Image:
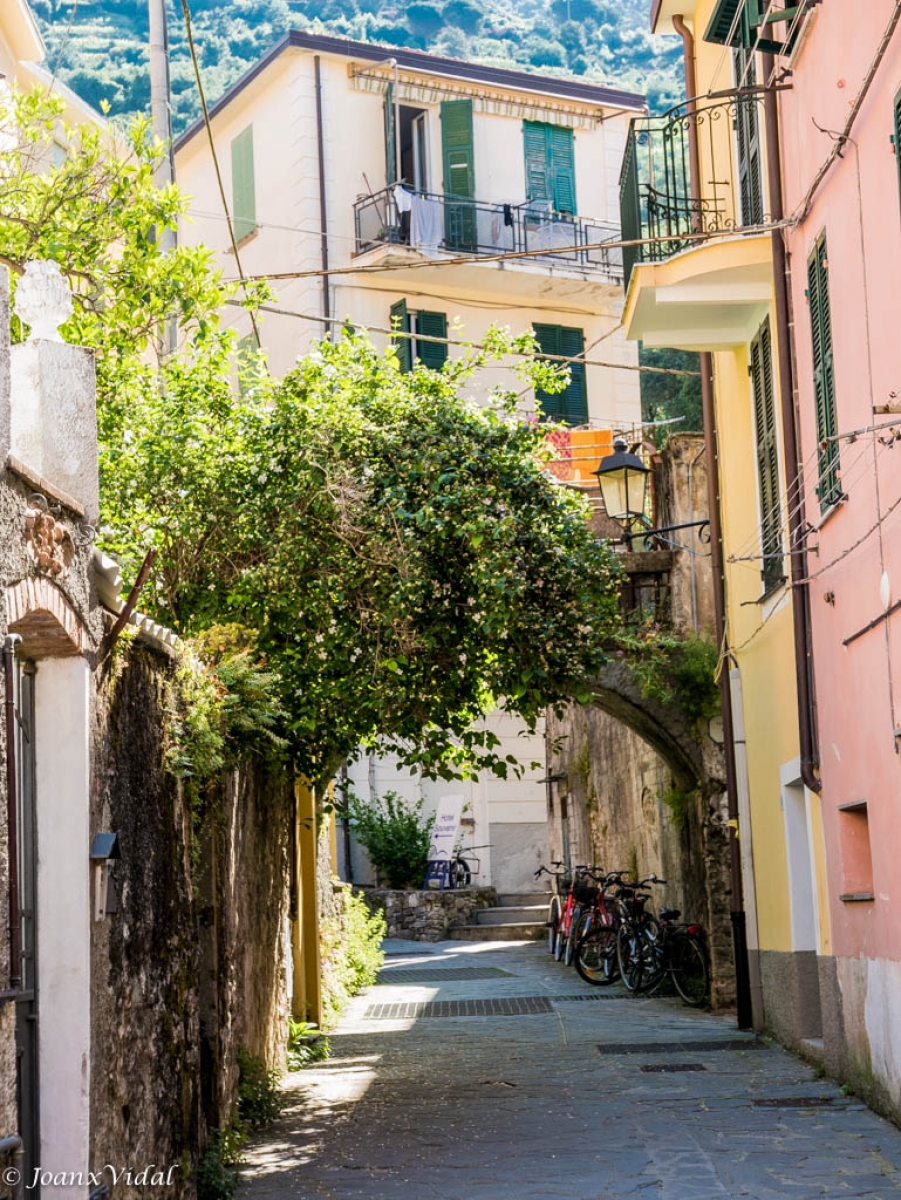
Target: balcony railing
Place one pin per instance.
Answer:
(658, 205)
(440, 223)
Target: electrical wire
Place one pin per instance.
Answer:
(209, 131)
(564, 359)
(508, 256)
(62, 47)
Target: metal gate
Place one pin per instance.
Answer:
(26, 951)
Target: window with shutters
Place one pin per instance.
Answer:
(550, 165)
(422, 326)
(571, 405)
(767, 457)
(828, 480)
(244, 204)
(747, 133)
(897, 134)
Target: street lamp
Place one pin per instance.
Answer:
(624, 484)
(624, 487)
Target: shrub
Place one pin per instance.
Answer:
(306, 1044)
(351, 954)
(259, 1099)
(396, 837)
(215, 1179)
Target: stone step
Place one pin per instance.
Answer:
(520, 914)
(523, 899)
(512, 932)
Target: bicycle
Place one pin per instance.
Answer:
(650, 950)
(555, 907)
(460, 869)
(595, 955)
(636, 934)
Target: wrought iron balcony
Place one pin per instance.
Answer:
(437, 223)
(658, 204)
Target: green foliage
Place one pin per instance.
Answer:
(671, 667)
(398, 551)
(259, 1098)
(665, 397)
(396, 837)
(604, 41)
(679, 801)
(215, 1179)
(351, 954)
(227, 707)
(306, 1044)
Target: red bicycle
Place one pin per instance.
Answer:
(574, 894)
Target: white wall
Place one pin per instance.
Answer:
(64, 912)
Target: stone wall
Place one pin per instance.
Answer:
(192, 963)
(426, 916)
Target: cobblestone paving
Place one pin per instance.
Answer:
(559, 1105)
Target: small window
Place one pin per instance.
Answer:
(244, 204)
(828, 481)
(571, 405)
(423, 326)
(857, 857)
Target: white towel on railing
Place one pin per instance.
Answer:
(426, 223)
(402, 198)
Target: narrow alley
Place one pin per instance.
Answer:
(486, 1071)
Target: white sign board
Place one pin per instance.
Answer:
(447, 824)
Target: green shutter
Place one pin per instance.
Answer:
(390, 137)
(458, 154)
(400, 320)
(563, 170)
(747, 128)
(829, 487)
(244, 204)
(571, 405)
(767, 456)
(431, 354)
(550, 164)
(538, 183)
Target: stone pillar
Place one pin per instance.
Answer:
(53, 424)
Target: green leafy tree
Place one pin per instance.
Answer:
(396, 837)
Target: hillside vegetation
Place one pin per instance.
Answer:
(101, 52)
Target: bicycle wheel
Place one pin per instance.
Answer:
(559, 944)
(595, 957)
(459, 874)
(688, 967)
(654, 965)
(553, 920)
(630, 955)
(569, 948)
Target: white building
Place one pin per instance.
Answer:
(508, 192)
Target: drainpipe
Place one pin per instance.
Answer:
(739, 924)
(794, 477)
(323, 211)
(12, 813)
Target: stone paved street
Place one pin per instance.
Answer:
(598, 1097)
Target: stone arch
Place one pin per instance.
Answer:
(694, 761)
(42, 616)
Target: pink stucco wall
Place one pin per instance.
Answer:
(858, 686)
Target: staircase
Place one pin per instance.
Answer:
(517, 918)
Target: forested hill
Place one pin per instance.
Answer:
(101, 50)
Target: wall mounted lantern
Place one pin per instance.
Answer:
(104, 854)
(624, 484)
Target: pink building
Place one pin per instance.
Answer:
(840, 151)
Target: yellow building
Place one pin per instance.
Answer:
(696, 195)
